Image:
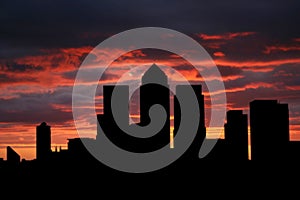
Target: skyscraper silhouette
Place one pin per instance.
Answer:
(121, 93)
(236, 134)
(180, 91)
(107, 121)
(155, 90)
(43, 141)
(269, 123)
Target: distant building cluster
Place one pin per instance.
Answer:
(269, 128)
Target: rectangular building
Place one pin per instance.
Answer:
(236, 135)
(269, 124)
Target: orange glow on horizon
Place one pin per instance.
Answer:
(27, 151)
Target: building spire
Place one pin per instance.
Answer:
(155, 75)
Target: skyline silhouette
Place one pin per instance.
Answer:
(254, 44)
(266, 117)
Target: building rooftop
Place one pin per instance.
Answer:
(154, 75)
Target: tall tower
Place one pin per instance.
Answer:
(107, 121)
(201, 133)
(236, 135)
(269, 123)
(155, 90)
(43, 141)
(121, 104)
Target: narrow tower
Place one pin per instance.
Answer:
(43, 141)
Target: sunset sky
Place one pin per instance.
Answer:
(255, 44)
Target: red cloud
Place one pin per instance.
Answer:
(297, 39)
(270, 49)
(257, 66)
(40, 73)
(295, 132)
(219, 54)
(226, 36)
(251, 86)
(56, 59)
(210, 37)
(295, 87)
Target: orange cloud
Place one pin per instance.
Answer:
(219, 54)
(56, 59)
(250, 86)
(226, 36)
(295, 132)
(213, 44)
(210, 37)
(132, 54)
(40, 73)
(270, 49)
(257, 66)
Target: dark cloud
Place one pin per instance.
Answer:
(276, 84)
(289, 75)
(5, 78)
(33, 108)
(64, 23)
(228, 71)
(14, 67)
(184, 67)
(70, 75)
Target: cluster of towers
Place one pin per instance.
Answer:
(269, 126)
(153, 90)
(269, 123)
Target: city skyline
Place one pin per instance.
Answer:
(232, 146)
(210, 133)
(255, 46)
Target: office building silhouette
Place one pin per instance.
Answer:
(181, 90)
(13, 158)
(155, 90)
(294, 151)
(121, 93)
(43, 141)
(269, 124)
(236, 135)
(77, 150)
(107, 122)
